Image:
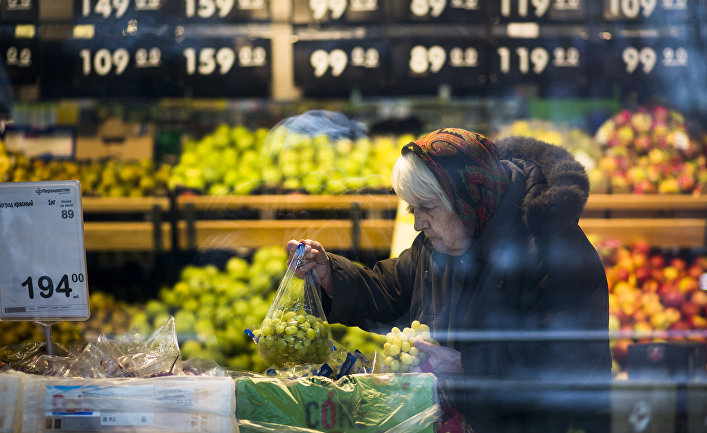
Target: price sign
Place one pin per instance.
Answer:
(422, 66)
(333, 68)
(222, 67)
(225, 10)
(670, 12)
(107, 67)
(549, 64)
(43, 260)
(119, 12)
(339, 11)
(19, 11)
(556, 11)
(19, 56)
(461, 11)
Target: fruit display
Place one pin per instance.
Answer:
(401, 355)
(578, 142)
(237, 160)
(652, 296)
(292, 338)
(648, 151)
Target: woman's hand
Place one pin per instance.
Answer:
(442, 360)
(314, 259)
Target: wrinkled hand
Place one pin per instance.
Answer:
(314, 259)
(442, 360)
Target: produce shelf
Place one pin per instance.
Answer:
(124, 236)
(123, 204)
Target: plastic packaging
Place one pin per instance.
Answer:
(391, 403)
(181, 404)
(10, 400)
(295, 331)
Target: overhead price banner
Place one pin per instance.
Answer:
(43, 259)
(335, 68)
(19, 11)
(19, 54)
(664, 12)
(555, 66)
(223, 67)
(108, 67)
(225, 11)
(547, 11)
(460, 11)
(338, 11)
(423, 66)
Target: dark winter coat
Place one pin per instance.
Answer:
(528, 302)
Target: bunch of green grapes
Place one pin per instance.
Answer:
(291, 338)
(401, 356)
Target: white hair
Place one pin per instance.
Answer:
(415, 184)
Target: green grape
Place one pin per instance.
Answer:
(292, 338)
(401, 355)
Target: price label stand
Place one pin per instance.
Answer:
(43, 258)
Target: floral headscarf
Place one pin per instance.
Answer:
(467, 167)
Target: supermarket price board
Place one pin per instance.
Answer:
(19, 11)
(19, 53)
(43, 259)
(333, 67)
(339, 11)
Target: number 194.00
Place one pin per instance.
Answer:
(46, 285)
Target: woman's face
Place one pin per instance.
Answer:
(443, 228)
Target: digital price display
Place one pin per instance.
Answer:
(547, 11)
(664, 12)
(555, 66)
(19, 11)
(422, 66)
(227, 11)
(131, 66)
(338, 11)
(334, 68)
(19, 55)
(224, 67)
(461, 11)
(43, 259)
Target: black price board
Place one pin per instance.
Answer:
(420, 67)
(338, 11)
(660, 66)
(223, 67)
(334, 68)
(657, 12)
(19, 56)
(556, 66)
(224, 11)
(431, 11)
(19, 11)
(107, 67)
(546, 11)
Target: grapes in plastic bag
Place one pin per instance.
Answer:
(401, 355)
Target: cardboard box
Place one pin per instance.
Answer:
(180, 404)
(677, 360)
(362, 403)
(118, 139)
(10, 401)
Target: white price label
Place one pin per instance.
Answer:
(43, 259)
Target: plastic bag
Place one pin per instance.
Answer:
(295, 331)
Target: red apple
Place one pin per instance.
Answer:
(641, 246)
(657, 261)
(678, 263)
(689, 309)
(660, 114)
(699, 298)
(642, 274)
(672, 298)
(623, 117)
(695, 271)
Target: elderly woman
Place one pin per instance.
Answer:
(499, 250)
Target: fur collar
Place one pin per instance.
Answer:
(557, 186)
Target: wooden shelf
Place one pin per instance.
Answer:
(123, 204)
(123, 236)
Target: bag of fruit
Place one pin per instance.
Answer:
(295, 330)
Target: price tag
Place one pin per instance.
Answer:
(19, 55)
(333, 68)
(555, 11)
(339, 11)
(19, 11)
(43, 260)
(108, 67)
(461, 11)
(227, 11)
(672, 12)
(422, 66)
(222, 67)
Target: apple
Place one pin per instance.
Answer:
(673, 299)
(687, 284)
(671, 273)
(641, 122)
(678, 263)
(690, 309)
(620, 351)
(657, 261)
(699, 298)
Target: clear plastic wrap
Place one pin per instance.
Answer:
(390, 403)
(180, 404)
(10, 400)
